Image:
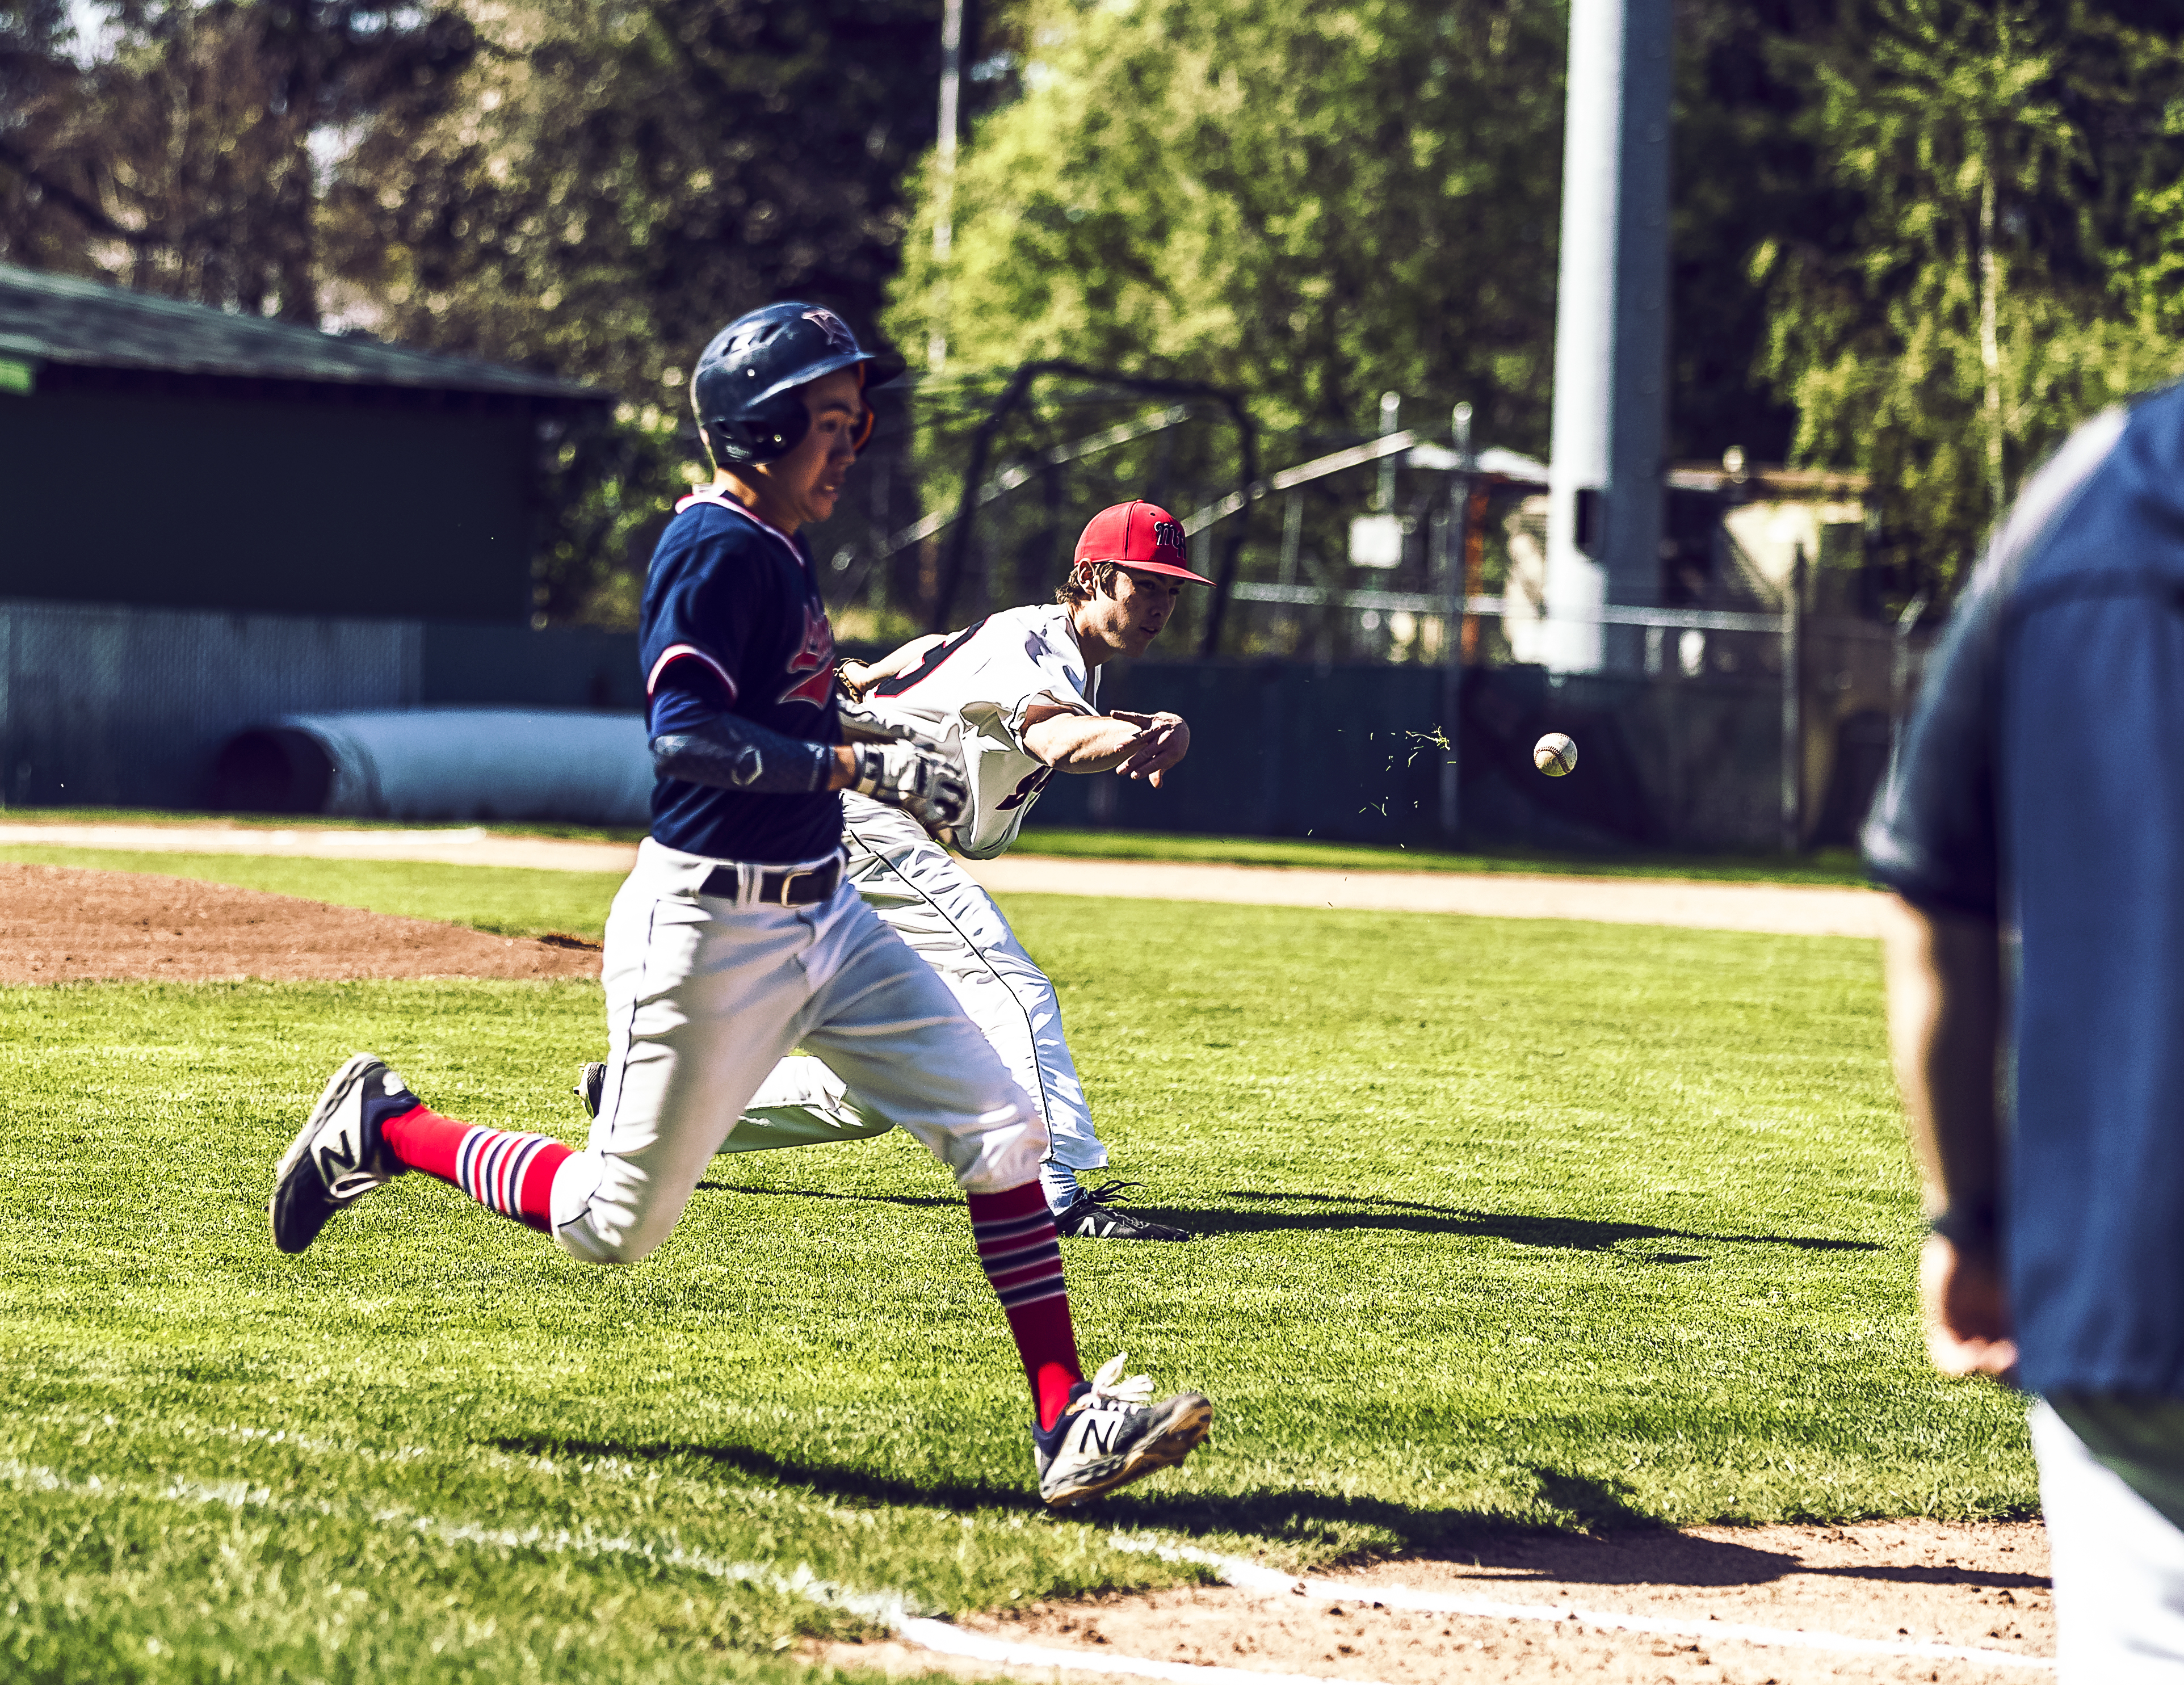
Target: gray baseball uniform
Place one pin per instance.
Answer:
(983, 685)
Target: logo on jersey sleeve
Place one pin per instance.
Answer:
(815, 656)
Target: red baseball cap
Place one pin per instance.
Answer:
(1141, 536)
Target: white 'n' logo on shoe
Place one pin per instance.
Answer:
(1099, 1436)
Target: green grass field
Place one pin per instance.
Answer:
(1822, 866)
(1516, 1223)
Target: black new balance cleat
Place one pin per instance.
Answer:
(339, 1156)
(1096, 1215)
(1112, 1434)
(590, 1081)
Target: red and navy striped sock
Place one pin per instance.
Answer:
(1021, 1257)
(503, 1171)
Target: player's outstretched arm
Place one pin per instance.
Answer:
(1136, 745)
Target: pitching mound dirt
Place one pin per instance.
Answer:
(59, 924)
(1980, 1586)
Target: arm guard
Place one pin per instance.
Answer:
(729, 752)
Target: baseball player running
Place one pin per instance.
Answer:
(736, 936)
(1019, 693)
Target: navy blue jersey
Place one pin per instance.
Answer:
(733, 623)
(2040, 786)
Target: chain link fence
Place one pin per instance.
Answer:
(1371, 663)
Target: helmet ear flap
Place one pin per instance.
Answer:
(767, 433)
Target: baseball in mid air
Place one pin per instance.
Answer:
(1555, 753)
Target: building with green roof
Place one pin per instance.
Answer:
(163, 454)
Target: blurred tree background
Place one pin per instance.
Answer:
(1917, 238)
(2003, 179)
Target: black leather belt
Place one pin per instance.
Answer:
(796, 887)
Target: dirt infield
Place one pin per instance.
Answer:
(1782, 909)
(60, 924)
(1971, 1585)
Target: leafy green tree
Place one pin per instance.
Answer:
(44, 207)
(182, 161)
(1745, 171)
(2005, 167)
(610, 183)
(1311, 203)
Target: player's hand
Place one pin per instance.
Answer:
(854, 677)
(1163, 741)
(1966, 1309)
(931, 788)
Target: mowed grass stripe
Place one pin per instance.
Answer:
(1544, 1224)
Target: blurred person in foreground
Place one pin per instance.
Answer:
(2033, 831)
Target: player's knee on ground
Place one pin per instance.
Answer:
(600, 1216)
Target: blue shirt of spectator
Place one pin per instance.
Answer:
(2041, 785)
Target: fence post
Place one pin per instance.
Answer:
(1454, 626)
(1452, 715)
(1793, 730)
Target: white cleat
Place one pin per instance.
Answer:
(1112, 1434)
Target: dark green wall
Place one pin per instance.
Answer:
(287, 505)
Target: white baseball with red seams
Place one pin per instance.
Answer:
(1555, 755)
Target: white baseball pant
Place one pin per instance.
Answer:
(706, 995)
(2111, 1499)
(926, 897)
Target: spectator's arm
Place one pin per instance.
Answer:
(1944, 1029)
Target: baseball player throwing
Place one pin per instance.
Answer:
(737, 936)
(1019, 691)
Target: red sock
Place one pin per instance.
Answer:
(1021, 1256)
(503, 1171)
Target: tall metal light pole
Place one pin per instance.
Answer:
(1611, 332)
(944, 177)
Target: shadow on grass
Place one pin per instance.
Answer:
(1350, 1211)
(1609, 1542)
(1271, 1514)
(1576, 1234)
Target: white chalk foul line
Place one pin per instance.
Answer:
(952, 1640)
(896, 1612)
(886, 1609)
(1249, 1576)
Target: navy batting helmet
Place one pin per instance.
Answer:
(744, 389)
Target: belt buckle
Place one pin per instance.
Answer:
(788, 885)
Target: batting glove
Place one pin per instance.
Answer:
(929, 787)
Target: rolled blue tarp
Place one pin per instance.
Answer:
(443, 763)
